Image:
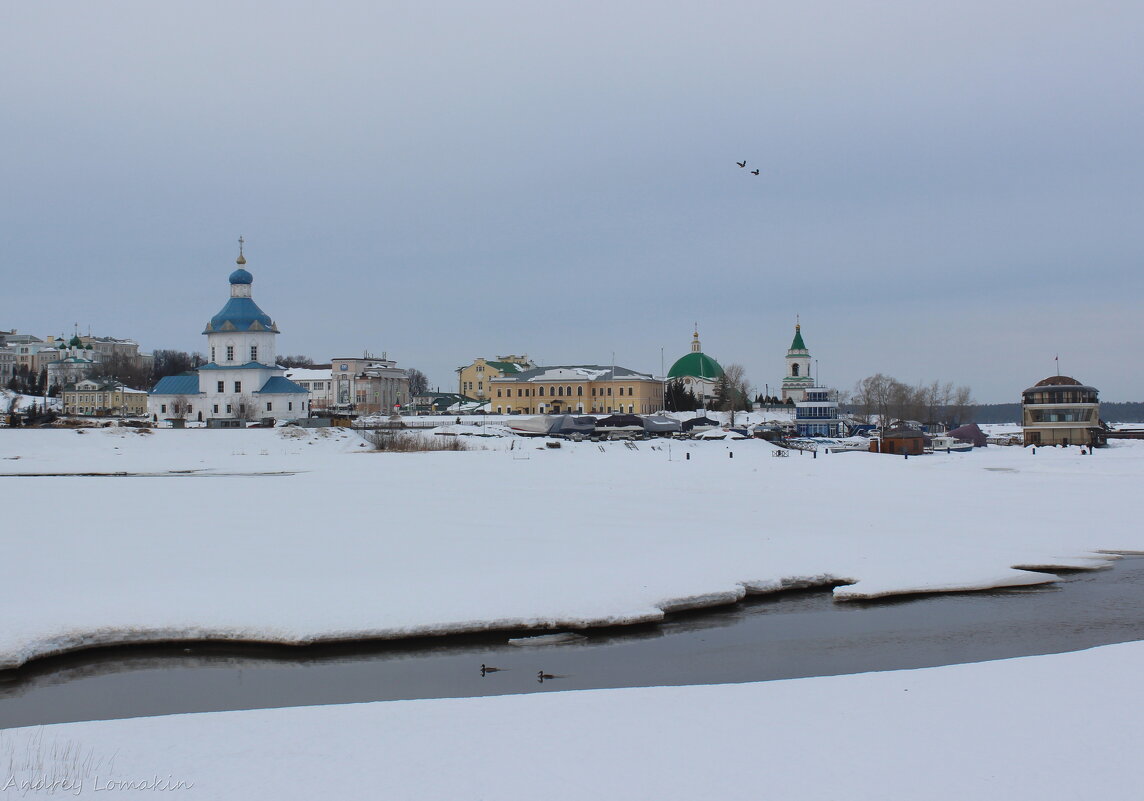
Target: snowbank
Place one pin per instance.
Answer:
(302, 536)
(1050, 727)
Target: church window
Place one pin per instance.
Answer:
(212, 353)
(794, 369)
(163, 408)
(580, 392)
(254, 353)
(220, 389)
(216, 408)
(230, 353)
(290, 406)
(542, 392)
(268, 406)
(238, 386)
(560, 391)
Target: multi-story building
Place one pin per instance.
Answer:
(473, 379)
(7, 364)
(89, 397)
(1060, 410)
(817, 414)
(318, 381)
(368, 385)
(580, 389)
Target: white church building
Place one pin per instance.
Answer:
(242, 381)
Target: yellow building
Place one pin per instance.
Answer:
(576, 389)
(103, 398)
(473, 379)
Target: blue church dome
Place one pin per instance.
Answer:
(241, 276)
(241, 314)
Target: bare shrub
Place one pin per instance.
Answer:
(411, 442)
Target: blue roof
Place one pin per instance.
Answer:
(177, 385)
(278, 385)
(241, 314)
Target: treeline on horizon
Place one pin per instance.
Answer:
(1011, 412)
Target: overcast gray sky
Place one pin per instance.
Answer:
(947, 190)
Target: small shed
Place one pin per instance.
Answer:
(908, 441)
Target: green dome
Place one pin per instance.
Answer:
(696, 365)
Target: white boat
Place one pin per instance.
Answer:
(948, 444)
(531, 426)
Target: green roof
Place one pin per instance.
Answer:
(696, 365)
(798, 343)
(506, 367)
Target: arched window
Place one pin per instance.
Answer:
(570, 392)
(560, 391)
(542, 392)
(580, 392)
(794, 369)
(552, 391)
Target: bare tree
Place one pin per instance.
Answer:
(245, 408)
(296, 361)
(890, 400)
(418, 382)
(960, 407)
(180, 406)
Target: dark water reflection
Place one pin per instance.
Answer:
(788, 636)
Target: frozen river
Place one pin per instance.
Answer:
(787, 636)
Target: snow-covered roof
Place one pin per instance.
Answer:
(308, 374)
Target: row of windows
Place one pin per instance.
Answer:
(230, 353)
(820, 413)
(540, 409)
(1060, 396)
(560, 392)
(1081, 415)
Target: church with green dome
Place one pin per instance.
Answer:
(697, 372)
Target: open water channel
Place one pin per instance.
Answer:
(775, 637)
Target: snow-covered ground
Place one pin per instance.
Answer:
(1046, 728)
(297, 536)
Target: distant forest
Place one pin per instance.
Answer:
(1011, 413)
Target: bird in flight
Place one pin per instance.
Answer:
(754, 172)
(742, 163)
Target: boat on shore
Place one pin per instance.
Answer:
(948, 444)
